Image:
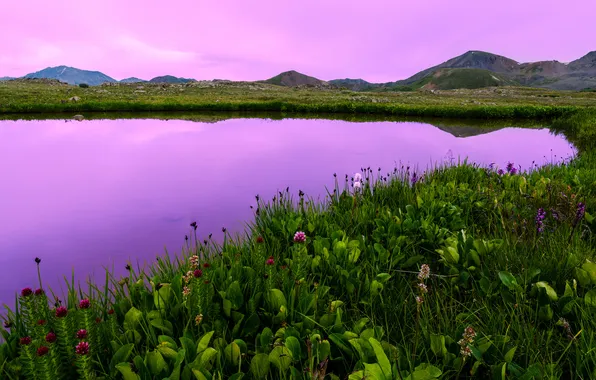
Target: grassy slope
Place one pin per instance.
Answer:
(323, 305)
(19, 97)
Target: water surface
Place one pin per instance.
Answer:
(101, 192)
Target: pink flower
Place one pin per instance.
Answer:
(39, 292)
(424, 272)
(81, 334)
(41, 322)
(42, 350)
(61, 312)
(260, 239)
(197, 273)
(26, 292)
(299, 237)
(270, 261)
(84, 304)
(50, 337)
(82, 348)
(25, 341)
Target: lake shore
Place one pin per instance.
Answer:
(34, 96)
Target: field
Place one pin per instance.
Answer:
(459, 272)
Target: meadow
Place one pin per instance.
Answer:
(461, 271)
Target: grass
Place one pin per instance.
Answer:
(458, 272)
(24, 96)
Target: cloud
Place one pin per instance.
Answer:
(145, 50)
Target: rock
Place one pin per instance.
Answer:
(78, 117)
(74, 99)
(140, 91)
(140, 87)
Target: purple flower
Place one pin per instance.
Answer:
(414, 179)
(82, 348)
(61, 312)
(579, 214)
(81, 334)
(299, 237)
(510, 167)
(50, 337)
(500, 172)
(42, 350)
(540, 216)
(84, 304)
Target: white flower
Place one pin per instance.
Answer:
(357, 177)
(357, 185)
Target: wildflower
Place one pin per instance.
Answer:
(260, 239)
(39, 292)
(414, 178)
(82, 348)
(42, 350)
(565, 324)
(270, 261)
(37, 260)
(555, 214)
(299, 237)
(357, 185)
(185, 291)
(540, 216)
(206, 265)
(50, 337)
(61, 312)
(579, 214)
(419, 300)
(467, 338)
(357, 177)
(81, 334)
(84, 304)
(194, 261)
(198, 319)
(500, 172)
(111, 311)
(197, 273)
(25, 341)
(97, 320)
(7, 324)
(465, 351)
(26, 292)
(207, 282)
(127, 267)
(510, 167)
(41, 322)
(423, 288)
(424, 272)
(188, 277)
(194, 225)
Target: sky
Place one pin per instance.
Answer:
(376, 40)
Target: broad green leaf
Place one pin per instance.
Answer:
(155, 362)
(550, 292)
(232, 354)
(132, 318)
(293, 345)
(425, 372)
(590, 267)
(189, 348)
(127, 372)
(207, 357)
(163, 296)
(277, 300)
(381, 357)
(234, 294)
(121, 355)
(281, 358)
(508, 280)
(259, 366)
(204, 342)
(510, 354)
(374, 372)
(590, 298)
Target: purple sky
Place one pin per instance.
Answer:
(377, 40)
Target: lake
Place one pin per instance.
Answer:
(97, 193)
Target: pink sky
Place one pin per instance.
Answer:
(377, 40)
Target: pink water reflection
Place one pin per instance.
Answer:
(98, 193)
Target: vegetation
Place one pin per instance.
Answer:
(38, 96)
(461, 271)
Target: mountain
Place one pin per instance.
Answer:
(293, 78)
(170, 79)
(353, 84)
(6, 78)
(72, 75)
(132, 80)
(450, 79)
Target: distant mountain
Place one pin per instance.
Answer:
(132, 80)
(72, 75)
(354, 84)
(293, 78)
(171, 79)
(6, 78)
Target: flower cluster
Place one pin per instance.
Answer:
(467, 339)
(511, 169)
(565, 324)
(579, 214)
(299, 237)
(540, 216)
(82, 348)
(423, 275)
(357, 182)
(270, 261)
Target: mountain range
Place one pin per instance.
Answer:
(473, 69)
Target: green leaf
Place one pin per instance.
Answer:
(281, 358)
(590, 298)
(550, 292)
(207, 357)
(163, 296)
(155, 362)
(381, 357)
(374, 372)
(437, 345)
(189, 348)
(121, 355)
(259, 366)
(204, 342)
(127, 372)
(132, 318)
(200, 375)
(545, 313)
(234, 294)
(277, 300)
(582, 277)
(232, 354)
(341, 342)
(293, 345)
(510, 354)
(383, 277)
(425, 372)
(509, 280)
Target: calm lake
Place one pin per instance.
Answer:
(97, 193)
